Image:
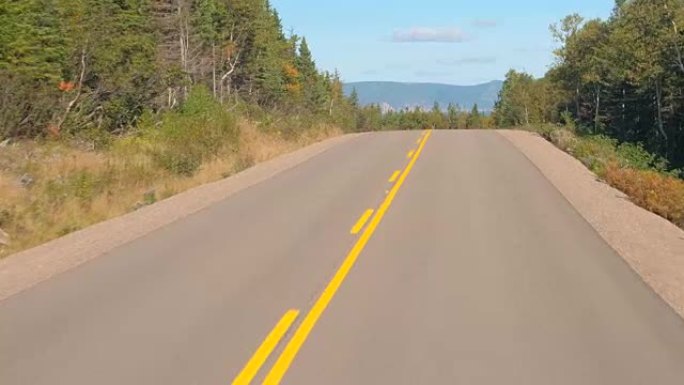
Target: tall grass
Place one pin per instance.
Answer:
(49, 189)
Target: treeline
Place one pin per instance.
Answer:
(622, 77)
(68, 66)
(373, 117)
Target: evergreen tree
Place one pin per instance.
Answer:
(474, 118)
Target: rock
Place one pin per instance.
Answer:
(26, 180)
(4, 238)
(5, 143)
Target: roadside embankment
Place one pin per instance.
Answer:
(650, 244)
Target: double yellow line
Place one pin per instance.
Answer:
(292, 348)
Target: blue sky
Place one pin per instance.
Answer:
(445, 41)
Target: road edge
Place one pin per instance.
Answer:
(651, 245)
(25, 269)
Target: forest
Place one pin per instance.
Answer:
(621, 78)
(70, 66)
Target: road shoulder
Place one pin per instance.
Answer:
(651, 245)
(25, 269)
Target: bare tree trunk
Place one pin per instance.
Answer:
(213, 67)
(183, 40)
(659, 102)
(79, 91)
(225, 78)
(597, 113)
(677, 48)
(624, 106)
(172, 101)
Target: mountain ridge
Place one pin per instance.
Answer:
(400, 95)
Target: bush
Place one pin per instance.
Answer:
(183, 140)
(635, 156)
(628, 167)
(595, 151)
(563, 139)
(654, 191)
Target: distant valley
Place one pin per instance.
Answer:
(398, 96)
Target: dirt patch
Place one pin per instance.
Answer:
(651, 245)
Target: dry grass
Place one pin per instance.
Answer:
(65, 189)
(627, 167)
(661, 194)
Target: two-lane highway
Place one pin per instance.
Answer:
(393, 258)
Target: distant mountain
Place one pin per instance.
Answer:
(424, 95)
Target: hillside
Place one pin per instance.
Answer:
(401, 95)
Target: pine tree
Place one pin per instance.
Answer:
(354, 98)
(474, 118)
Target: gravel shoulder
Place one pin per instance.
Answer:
(25, 269)
(651, 245)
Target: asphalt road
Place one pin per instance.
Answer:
(472, 269)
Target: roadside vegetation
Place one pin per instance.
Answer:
(643, 176)
(107, 106)
(50, 188)
(614, 100)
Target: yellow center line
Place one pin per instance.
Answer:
(252, 368)
(410, 154)
(290, 352)
(361, 222)
(395, 176)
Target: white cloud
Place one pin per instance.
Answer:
(429, 35)
(485, 23)
(467, 61)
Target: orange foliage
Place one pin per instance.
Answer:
(290, 71)
(661, 194)
(294, 88)
(229, 49)
(65, 86)
(53, 130)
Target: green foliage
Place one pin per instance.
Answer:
(474, 118)
(82, 184)
(524, 100)
(599, 151)
(595, 151)
(372, 118)
(183, 140)
(94, 66)
(635, 156)
(31, 43)
(621, 77)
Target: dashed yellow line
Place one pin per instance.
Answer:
(410, 154)
(261, 355)
(290, 352)
(395, 176)
(362, 222)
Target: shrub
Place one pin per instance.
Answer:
(635, 156)
(654, 191)
(563, 139)
(595, 151)
(184, 139)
